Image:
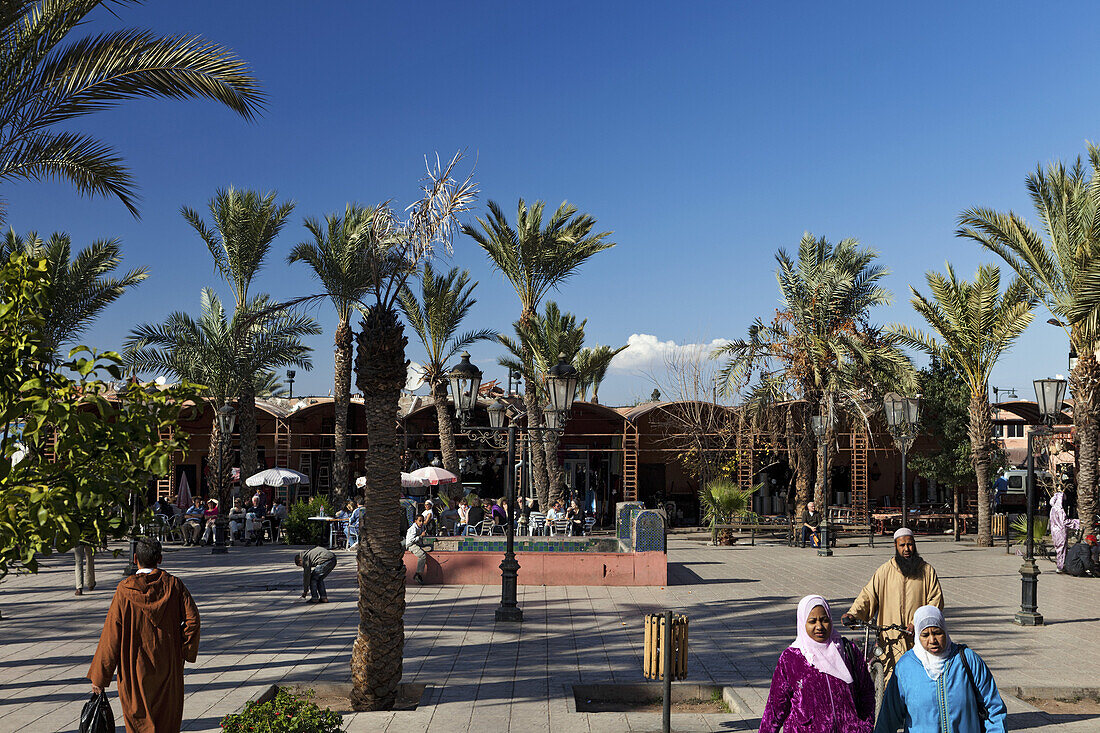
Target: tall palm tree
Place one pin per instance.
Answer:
(220, 352)
(48, 78)
(592, 365)
(976, 324)
(337, 257)
(537, 347)
(397, 251)
(1063, 272)
(80, 287)
(820, 346)
(536, 259)
(445, 301)
(245, 225)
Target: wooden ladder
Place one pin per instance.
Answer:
(630, 462)
(282, 443)
(860, 509)
(745, 465)
(164, 483)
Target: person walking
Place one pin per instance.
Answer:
(414, 540)
(939, 685)
(821, 683)
(316, 564)
(151, 629)
(84, 568)
(1059, 529)
(897, 589)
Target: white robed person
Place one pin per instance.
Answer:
(940, 686)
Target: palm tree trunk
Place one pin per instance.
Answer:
(981, 436)
(554, 474)
(341, 398)
(246, 418)
(446, 436)
(804, 459)
(537, 452)
(223, 483)
(376, 656)
(1084, 383)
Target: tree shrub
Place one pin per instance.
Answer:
(285, 713)
(297, 527)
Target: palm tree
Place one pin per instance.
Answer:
(337, 257)
(1062, 272)
(396, 252)
(976, 325)
(722, 501)
(537, 347)
(592, 365)
(49, 78)
(536, 259)
(820, 347)
(445, 301)
(221, 352)
(80, 287)
(245, 224)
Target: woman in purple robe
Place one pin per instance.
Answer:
(821, 684)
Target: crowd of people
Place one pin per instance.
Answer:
(248, 519)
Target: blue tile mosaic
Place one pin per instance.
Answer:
(649, 531)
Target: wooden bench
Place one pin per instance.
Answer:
(756, 527)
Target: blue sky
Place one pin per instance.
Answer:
(705, 135)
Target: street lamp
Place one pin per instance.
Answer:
(821, 425)
(902, 415)
(290, 380)
(464, 379)
(1048, 396)
(227, 418)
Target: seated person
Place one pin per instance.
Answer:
(1080, 559)
(475, 517)
(463, 516)
(277, 515)
(356, 518)
(811, 518)
(236, 521)
(345, 513)
(163, 506)
(575, 515)
(499, 513)
(254, 522)
(193, 522)
(429, 517)
(210, 519)
(449, 520)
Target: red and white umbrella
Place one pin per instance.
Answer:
(408, 481)
(435, 476)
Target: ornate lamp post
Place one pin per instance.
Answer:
(464, 379)
(227, 418)
(902, 415)
(1048, 395)
(821, 425)
(290, 380)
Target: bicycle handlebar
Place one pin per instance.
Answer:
(857, 624)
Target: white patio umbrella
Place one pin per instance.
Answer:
(435, 476)
(277, 477)
(408, 481)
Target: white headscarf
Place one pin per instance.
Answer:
(925, 617)
(822, 656)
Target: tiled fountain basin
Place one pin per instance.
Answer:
(542, 561)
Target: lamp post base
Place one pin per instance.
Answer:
(509, 605)
(823, 549)
(509, 614)
(220, 547)
(1029, 615)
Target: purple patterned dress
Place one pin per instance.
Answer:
(806, 700)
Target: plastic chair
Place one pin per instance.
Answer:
(589, 523)
(559, 526)
(536, 523)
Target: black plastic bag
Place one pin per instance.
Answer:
(97, 716)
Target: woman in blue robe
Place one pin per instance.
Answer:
(931, 690)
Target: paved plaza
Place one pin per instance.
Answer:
(484, 677)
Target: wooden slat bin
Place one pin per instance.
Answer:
(653, 661)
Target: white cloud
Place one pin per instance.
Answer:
(645, 352)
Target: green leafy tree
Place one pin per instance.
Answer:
(592, 365)
(821, 346)
(445, 301)
(537, 258)
(534, 351)
(1062, 270)
(81, 287)
(50, 78)
(976, 324)
(71, 454)
(722, 501)
(245, 223)
(338, 257)
(396, 253)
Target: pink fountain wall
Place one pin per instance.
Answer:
(544, 568)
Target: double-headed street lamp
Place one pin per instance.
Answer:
(821, 425)
(227, 418)
(902, 416)
(1048, 396)
(561, 386)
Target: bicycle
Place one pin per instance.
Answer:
(872, 654)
